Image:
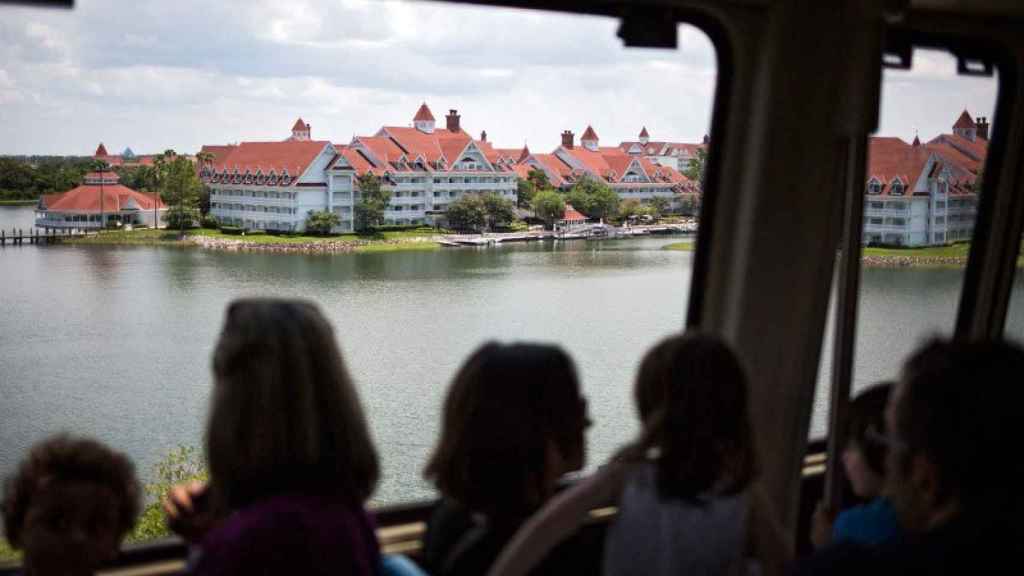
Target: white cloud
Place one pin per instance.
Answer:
(155, 75)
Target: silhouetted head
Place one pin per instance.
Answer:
(69, 505)
(513, 423)
(953, 423)
(865, 451)
(691, 393)
(285, 415)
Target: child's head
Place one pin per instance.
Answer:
(691, 393)
(864, 452)
(69, 505)
(513, 422)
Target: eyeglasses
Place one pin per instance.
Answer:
(884, 439)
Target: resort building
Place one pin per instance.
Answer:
(674, 154)
(99, 201)
(923, 194)
(270, 185)
(629, 176)
(274, 185)
(126, 158)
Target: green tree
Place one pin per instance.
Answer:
(501, 212)
(525, 190)
(689, 204)
(628, 208)
(180, 188)
(467, 213)
(549, 206)
(978, 182)
(539, 179)
(659, 205)
(182, 465)
(204, 160)
(373, 200)
(695, 167)
(321, 221)
(593, 198)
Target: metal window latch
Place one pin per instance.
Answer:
(649, 27)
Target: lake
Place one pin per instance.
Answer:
(115, 342)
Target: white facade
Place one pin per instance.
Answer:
(276, 201)
(925, 215)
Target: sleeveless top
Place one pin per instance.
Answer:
(659, 537)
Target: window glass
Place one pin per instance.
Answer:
(933, 134)
(115, 342)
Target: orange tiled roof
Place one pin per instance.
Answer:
(86, 199)
(293, 156)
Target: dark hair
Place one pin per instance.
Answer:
(505, 403)
(285, 414)
(64, 459)
(691, 392)
(959, 406)
(867, 412)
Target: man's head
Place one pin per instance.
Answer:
(69, 505)
(949, 420)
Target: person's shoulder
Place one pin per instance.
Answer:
(871, 523)
(844, 558)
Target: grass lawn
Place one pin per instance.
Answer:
(953, 251)
(8, 554)
(150, 236)
(679, 246)
(399, 247)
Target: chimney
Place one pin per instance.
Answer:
(982, 128)
(483, 136)
(309, 131)
(567, 139)
(453, 120)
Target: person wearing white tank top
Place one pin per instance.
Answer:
(685, 491)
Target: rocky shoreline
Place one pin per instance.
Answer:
(314, 247)
(871, 261)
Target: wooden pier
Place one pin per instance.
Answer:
(19, 237)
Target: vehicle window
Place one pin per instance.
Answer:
(929, 153)
(281, 111)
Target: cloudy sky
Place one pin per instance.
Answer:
(154, 75)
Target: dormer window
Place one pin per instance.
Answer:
(897, 188)
(874, 187)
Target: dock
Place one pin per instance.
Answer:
(19, 237)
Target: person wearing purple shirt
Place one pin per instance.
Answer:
(290, 457)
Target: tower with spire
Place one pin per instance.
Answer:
(424, 120)
(589, 139)
(965, 127)
(301, 131)
(644, 136)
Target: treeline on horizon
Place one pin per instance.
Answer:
(29, 177)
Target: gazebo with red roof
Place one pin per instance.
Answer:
(571, 219)
(100, 200)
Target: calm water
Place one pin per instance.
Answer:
(115, 342)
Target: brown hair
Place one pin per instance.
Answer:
(67, 459)
(959, 408)
(691, 393)
(867, 414)
(504, 405)
(285, 415)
